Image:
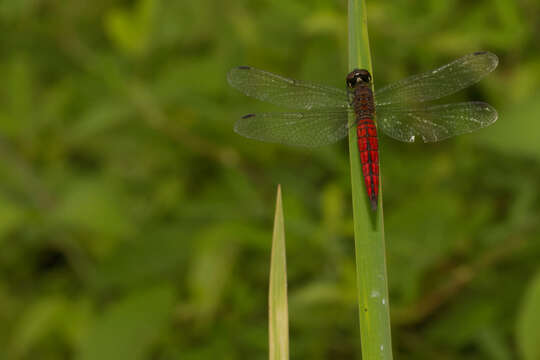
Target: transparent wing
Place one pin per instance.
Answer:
(278, 90)
(440, 82)
(434, 123)
(310, 128)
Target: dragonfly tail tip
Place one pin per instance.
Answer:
(374, 204)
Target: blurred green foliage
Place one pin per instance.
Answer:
(134, 224)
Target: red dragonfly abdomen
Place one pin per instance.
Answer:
(368, 144)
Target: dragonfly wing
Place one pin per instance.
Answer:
(440, 82)
(309, 128)
(434, 123)
(279, 90)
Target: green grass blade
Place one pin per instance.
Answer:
(278, 313)
(371, 275)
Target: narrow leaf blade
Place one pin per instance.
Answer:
(371, 275)
(277, 298)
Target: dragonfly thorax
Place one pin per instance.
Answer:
(358, 76)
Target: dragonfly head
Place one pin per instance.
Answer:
(358, 76)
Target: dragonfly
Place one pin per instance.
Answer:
(403, 110)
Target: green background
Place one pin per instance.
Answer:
(135, 224)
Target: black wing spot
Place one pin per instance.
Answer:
(248, 116)
(480, 53)
(244, 67)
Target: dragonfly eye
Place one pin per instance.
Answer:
(364, 76)
(357, 77)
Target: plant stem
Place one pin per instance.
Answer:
(371, 275)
